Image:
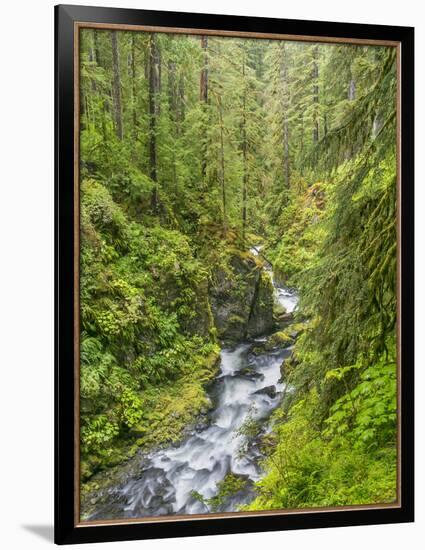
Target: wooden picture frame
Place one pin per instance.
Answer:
(69, 20)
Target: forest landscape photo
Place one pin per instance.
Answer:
(238, 274)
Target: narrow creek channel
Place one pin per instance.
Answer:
(180, 478)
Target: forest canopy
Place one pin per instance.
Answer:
(193, 150)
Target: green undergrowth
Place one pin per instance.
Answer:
(148, 344)
(301, 231)
(160, 418)
(349, 459)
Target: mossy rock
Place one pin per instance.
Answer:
(284, 319)
(258, 350)
(278, 310)
(261, 315)
(296, 329)
(287, 367)
(241, 296)
(250, 372)
(282, 339)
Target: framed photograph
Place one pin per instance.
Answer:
(234, 274)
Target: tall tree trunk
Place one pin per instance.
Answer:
(203, 96)
(315, 77)
(244, 144)
(159, 76)
(352, 90)
(103, 101)
(173, 114)
(351, 95)
(377, 122)
(133, 87)
(172, 91)
(285, 109)
(116, 86)
(286, 152)
(203, 88)
(301, 153)
(93, 59)
(153, 113)
(146, 61)
(181, 103)
(84, 117)
(376, 126)
(223, 184)
(96, 48)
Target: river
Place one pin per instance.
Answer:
(180, 479)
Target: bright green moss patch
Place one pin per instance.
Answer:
(281, 339)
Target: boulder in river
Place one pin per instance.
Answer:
(261, 314)
(282, 339)
(251, 373)
(285, 318)
(241, 297)
(270, 391)
(279, 340)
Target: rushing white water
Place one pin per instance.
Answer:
(287, 298)
(175, 480)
